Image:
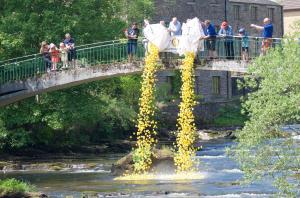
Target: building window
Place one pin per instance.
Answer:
(216, 85)
(254, 13)
(170, 80)
(236, 11)
(271, 13)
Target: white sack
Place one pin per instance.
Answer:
(189, 41)
(158, 35)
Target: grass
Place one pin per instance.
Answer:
(14, 188)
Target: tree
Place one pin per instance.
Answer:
(263, 150)
(79, 115)
(24, 24)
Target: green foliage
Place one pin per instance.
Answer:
(13, 187)
(81, 115)
(230, 116)
(136, 10)
(24, 24)
(274, 104)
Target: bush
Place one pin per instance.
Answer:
(13, 187)
(230, 116)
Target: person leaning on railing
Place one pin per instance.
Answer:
(46, 55)
(211, 36)
(226, 33)
(267, 34)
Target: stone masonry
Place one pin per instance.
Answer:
(240, 13)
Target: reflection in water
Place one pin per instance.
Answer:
(220, 179)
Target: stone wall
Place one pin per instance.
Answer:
(204, 84)
(290, 17)
(204, 113)
(215, 11)
(262, 12)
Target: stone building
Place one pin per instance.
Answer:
(239, 13)
(291, 13)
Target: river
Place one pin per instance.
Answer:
(221, 175)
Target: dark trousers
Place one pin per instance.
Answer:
(229, 51)
(47, 60)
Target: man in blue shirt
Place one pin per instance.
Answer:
(211, 36)
(267, 34)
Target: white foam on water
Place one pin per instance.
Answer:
(90, 171)
(235, 170)
(243, 195)
(296, 137)
(211, 156)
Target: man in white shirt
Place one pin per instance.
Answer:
(175, 27)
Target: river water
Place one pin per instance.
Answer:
(221, 175)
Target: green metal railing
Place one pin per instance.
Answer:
(109, 52)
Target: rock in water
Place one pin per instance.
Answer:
(162, 161)
(214, 134)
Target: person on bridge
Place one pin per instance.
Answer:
(46, 55)
(70, 44)
(245, 44)
(132, 35)
(175, 27)
(267, 34)
(226, 32)
(211, 36)
(54, 56)
(63, 52)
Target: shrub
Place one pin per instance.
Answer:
(13, 187)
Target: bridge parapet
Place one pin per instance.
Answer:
(111, 52)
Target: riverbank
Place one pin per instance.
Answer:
(12, 188)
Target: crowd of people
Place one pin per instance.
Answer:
(211, 35)
(64, 54)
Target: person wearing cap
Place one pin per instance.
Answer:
(226, 32)
(244, 44)
(267, 34)
(210, 37)
(132, 35)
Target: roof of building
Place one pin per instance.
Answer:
(264, 2)
(291, 4)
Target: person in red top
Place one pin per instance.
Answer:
(54, 56)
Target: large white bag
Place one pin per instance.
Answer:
(158, 35)
(189, 41)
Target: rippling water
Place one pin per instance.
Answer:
(220, 179)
